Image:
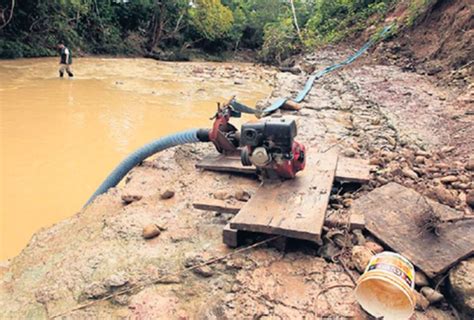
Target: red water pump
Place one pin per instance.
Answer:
(269, 145)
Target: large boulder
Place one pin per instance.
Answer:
(461, 287)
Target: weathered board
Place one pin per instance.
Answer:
(220, 162)
(397, 215)
(293, 208)
(230, 236)
(353, 170)
(356, 221)
(218, 205)
(348, 169)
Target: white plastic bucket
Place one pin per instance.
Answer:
(386, 287)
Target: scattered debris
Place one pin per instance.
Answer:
(470, 163)
(361, 256)
(432, 295)
(168, 194)
(374, 247)
(470, 198)
(151, 231)
(129, 198)
(242, 195)
(222, 195)
(421, 302)
(421, 280)
(461, 287)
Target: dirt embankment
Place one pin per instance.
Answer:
(376, 112)
(434, 39)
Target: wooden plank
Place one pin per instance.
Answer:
(293, 208)
(356, 221)
(396, 216)
(230, 236)
(348, 169)
(220, 162)
(353, 170)
(218, 205)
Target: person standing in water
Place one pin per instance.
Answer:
(66, 61)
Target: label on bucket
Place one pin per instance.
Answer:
(394, 264)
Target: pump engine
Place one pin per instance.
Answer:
(269, 145)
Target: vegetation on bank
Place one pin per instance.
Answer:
(172, 29)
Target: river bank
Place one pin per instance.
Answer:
(367, 111)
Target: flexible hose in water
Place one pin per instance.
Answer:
(183, 137)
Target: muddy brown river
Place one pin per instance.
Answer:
(59, 138)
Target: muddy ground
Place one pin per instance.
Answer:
(415, 131)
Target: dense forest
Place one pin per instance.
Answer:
(174, 29)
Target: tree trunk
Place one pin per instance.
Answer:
(10, 16)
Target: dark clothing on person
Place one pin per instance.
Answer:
(65, 62)
(66, 56)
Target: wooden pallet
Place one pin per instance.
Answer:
(294, 208)
(347, 169)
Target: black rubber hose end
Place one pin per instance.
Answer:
(203, 135)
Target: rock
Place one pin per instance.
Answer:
(449, 179)
(447, 149)
(151, 231)
(382, 180)
(421, 302)
(470, 198)
(242, 195)
(375, 161)
(95, 290)
(443, 195)
(420, 160)
(422, 153)
(168, 194)
(462, 198)
(349, 152)
(421, 280)
(470, 164)
(432, 295)
(222, 195)
(374, 247)
(461, 287)
(129, 198)
(407, 172)
(359, 237)
(347, 202)
(204, 271)
(328, 250)
(116, 280)
(361, 256)
(121, 299)
(460, 185)
(238, 82)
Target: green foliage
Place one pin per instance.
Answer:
(211, 19)
(416, 8)
(278, 41)
(212, 26)
(334, 20)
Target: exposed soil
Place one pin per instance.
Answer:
(378, 112)
(439, 42)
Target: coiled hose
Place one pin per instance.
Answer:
(176, 139)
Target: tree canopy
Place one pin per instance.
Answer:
(275, 28)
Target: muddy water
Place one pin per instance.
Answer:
(59, 138)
